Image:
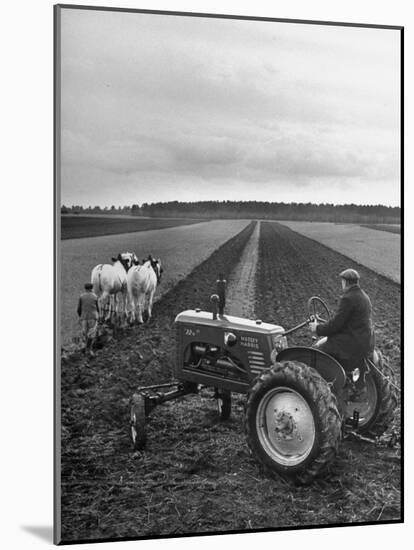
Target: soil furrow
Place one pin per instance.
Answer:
(196, 474)
(95, 395)
(292, 268)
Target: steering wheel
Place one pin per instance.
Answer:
(317, 309)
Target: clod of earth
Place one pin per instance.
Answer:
(196, 474)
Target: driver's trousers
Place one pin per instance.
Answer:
(332, 348)
(341, 354)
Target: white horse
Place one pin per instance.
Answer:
(142, 283)
(110, 284)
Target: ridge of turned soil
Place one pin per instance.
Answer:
(196, 474)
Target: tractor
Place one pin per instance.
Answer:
(300, 400)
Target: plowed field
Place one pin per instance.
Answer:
(378, 250)
(181, 249)
(196, 474)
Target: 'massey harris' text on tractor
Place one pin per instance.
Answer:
(299, 399)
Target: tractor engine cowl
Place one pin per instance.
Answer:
(222, 350)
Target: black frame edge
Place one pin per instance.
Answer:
(227, 16)
(56, 244)
(56, 270)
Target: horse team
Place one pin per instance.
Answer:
(126, 287)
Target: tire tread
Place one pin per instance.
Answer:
(387, 396)
(293, 373)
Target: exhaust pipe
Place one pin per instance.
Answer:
(221, 291)
(215, 300)
(219, 299)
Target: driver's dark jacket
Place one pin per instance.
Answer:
(350, 333)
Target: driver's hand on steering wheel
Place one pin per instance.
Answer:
(312, 325)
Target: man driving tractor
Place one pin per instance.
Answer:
(350, 333)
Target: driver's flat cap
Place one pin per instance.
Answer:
(88, 286)
(350, 275)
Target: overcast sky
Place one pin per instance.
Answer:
(158, 108)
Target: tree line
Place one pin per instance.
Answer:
(339, 213)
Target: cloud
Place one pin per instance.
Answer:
(152, 99)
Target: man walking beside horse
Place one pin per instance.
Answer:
(88, 312)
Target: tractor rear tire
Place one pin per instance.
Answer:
(137, 422)
(378, 410)
(292, 423)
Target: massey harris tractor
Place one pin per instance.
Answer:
(299, 399)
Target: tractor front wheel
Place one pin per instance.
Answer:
(292, 423)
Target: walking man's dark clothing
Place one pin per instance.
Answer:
(88, 306)
(88, 311)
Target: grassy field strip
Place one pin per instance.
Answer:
(377, 250)
(79, 227)
(181, 249)
(391, 228)
(124, 216)
(241, 289)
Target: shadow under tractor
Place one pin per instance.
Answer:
(300, 400)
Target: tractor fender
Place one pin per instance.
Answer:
(324, 364)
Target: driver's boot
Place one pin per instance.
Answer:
(360, 389)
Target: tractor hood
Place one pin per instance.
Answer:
(227, 321)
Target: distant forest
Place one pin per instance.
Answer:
(340, 213)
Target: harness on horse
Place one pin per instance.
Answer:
(156, 271)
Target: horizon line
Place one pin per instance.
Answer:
(83, 205)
